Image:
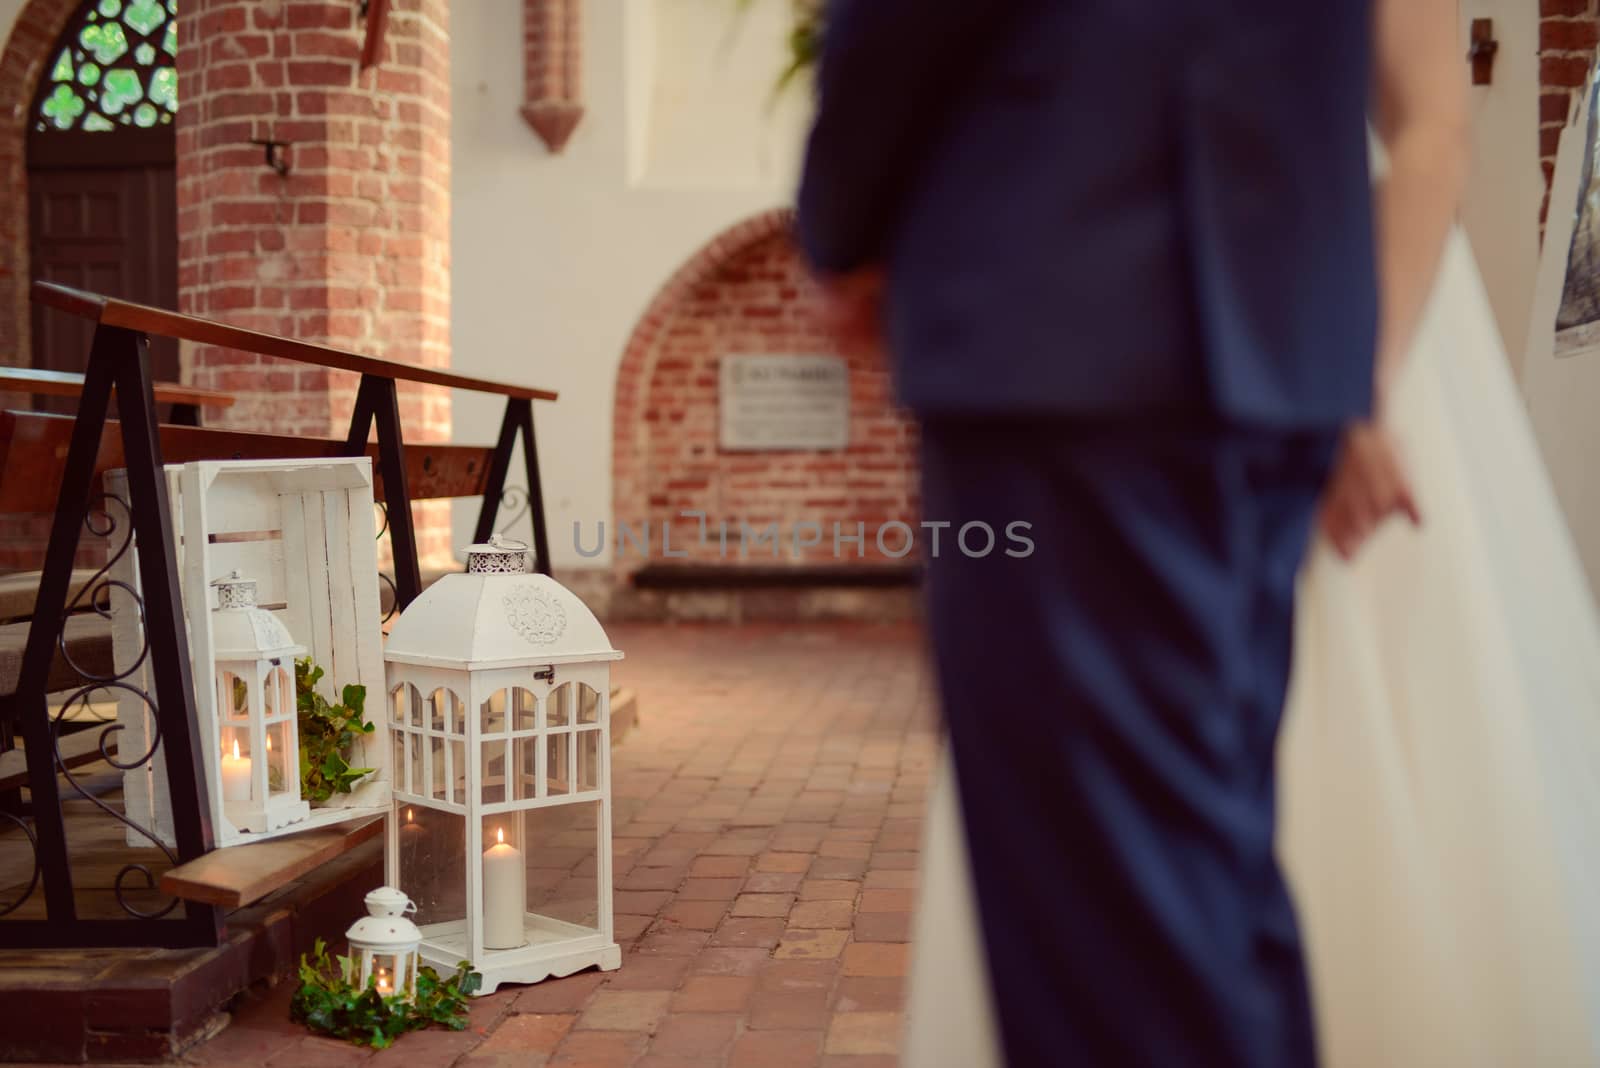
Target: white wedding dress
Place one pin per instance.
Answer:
(1439, 765)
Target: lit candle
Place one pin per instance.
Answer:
(383, 982)
(235, 775)
(504, 894)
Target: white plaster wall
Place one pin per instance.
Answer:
(1501, 212)
(9, 10)
(554, 258)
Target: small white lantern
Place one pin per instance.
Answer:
(501, 725)
(385, 944)
(259, 762)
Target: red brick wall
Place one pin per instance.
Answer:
(27, 52)
(352, 248)
(1568, 33)
(747, 293)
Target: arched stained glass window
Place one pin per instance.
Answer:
(116, 69)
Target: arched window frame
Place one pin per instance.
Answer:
(147, 62)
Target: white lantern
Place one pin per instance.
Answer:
(258, 769)
(384, 944)
(500, 683)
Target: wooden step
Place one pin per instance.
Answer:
(88, 640)
(75, 750)
(242, 875)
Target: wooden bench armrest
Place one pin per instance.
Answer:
(244, 874)
(141, 317)
(33, 450)
(66, 384)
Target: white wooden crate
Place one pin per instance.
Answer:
(305, 531)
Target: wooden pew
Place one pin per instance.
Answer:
(33, 447)
(186, 401)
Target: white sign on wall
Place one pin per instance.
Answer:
(784, 402)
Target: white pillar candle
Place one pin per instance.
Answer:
(505, 887)
(235, 775)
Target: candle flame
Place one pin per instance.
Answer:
(236, 749)
(499, 834)
(269, 743)
(408, 815)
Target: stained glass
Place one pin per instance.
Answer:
(116, 68)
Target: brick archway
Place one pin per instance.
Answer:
(27, 53)
(745, 291)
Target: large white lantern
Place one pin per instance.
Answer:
(500, 687)
(258, 770)
(384, 944)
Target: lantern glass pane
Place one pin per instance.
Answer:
(433, 865)
(407, 709)
(269, 694)
(493, 773)
(458, 769)
(588, 704)
(558, 763)
(524, 710)
(492, 714)
(280, 751)
(439, 775)
(559, 705)
(589, 760)
(233, 697)
(560, 843)
(525, 761)
(398, 763)
(286, 693)
(418, 746)
(445, 713)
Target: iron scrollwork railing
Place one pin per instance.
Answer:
(95, 596)
(515, 502)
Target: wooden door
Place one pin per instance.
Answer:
(110, 230)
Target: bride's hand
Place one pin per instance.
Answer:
(1369, 484)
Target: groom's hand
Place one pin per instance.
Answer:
(852, 310)
(1369, 484)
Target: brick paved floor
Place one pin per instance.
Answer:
(768, 814)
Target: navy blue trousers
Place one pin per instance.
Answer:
(1113, 700)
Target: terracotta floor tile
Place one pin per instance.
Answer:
(731, 960)
(822, 914)
(865, 1032)
(773, 882)
(532, 1032)
(714, 993)
(887, 900)
(625, 1010)
(719, 889)
(648, 973)
(696, 915)
(829, 890)
(881, 927)
(715, 867)
(559, 995)
(785, 862)
(748, 931)
(695, 1034)
(789, 1010)
(876, 959)
(796, 975)
(858, 993)
(776, 1049)
(770, 905)
(891, 879)
(598, 1049)
(800, 944)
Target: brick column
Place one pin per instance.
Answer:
(1568, 33)
(351, 248)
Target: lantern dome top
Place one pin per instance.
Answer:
(497, 616)
(385, 927)
(240, 630)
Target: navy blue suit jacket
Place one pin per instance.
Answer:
(1105, 207)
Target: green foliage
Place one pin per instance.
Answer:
(329, 1002)
(805, 40)
(326, 734)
